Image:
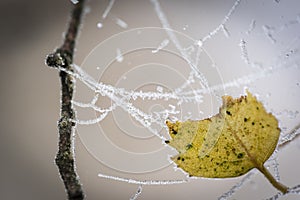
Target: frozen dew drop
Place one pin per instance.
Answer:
(99, 25)
(200, 43)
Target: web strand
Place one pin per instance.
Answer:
(146, 182)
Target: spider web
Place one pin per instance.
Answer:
(202, 80)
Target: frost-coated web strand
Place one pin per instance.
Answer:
(290, 136)
(244, 51)
(186, 96)
(91, 105)
(110, 92)
(251, 27)
(163, 44)
(137, 193)
(236, 187)
(225, 31)
(274, 164)
(292, 190)
(216, 30)
(276, 196)
(177, 95)
(166, 25)
(244, 80)
(276, 169)
(269, 31)
(121, 97)
(224, 21)
(295, 190)
(146, 182)
(121, 23)
(108, 8)
(100, 87)
(104, 113)
(176, 42)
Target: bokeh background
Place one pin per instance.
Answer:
(29, 101)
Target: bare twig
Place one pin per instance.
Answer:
(63, 58)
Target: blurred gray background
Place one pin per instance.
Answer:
(29, 101)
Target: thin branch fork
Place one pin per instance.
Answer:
(63, 58)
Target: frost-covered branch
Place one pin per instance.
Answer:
(63, 58)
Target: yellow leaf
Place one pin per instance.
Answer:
(242, 136)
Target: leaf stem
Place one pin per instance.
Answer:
(279, 186)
